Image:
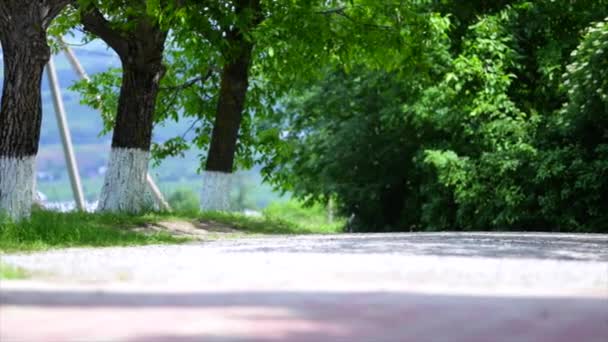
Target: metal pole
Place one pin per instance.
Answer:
(74, 61)
(157, 194)
(66, 139)
(160, 199)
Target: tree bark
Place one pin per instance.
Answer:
(125, 188)
(229, 114)
(136, 106)
(217, 177)
(23, 36)
(141, 53)
(21, 110)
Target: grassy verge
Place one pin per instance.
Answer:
(45, 230)
(280, 218)
(10, 272)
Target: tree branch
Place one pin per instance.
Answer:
(52, 10)
(94, 22)
(191, 82)
(183, 136)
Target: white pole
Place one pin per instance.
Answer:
(66, 139)
(160, 199)
(157, 194)
(74, 62)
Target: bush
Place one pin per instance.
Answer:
(477, 142)
(185, 201)
(312, 218)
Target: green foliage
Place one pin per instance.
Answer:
(10, 272)
(101, 93)
(184, 201)
(586, 83)
(502, 163)
(311, 218)
(573, 168)
(290, 41)
(287, 218)
(472, 104)
(410, 114)
(354, 142)
(46, 230)
(492, 137)
(348, 136)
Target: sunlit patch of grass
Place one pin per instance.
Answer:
(11, 272)
(280, 218)
(46, 229)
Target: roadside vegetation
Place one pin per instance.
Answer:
(403, 115)
(11, 272)
(46, 230)
(498, 123)
(49, 230)
(280, 218)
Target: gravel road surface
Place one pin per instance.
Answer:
(369, 287)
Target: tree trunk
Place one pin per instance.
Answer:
(125, 188)
(141, 52)
(25, 51)
(217, 177)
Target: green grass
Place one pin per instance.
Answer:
(45, 230)
(280, 218)
(11, 272)
(314, 219)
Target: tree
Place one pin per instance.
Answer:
(231, 60)
(507, 135)
(23, 33)
(265, 47)
(573, 166)
(237, 56)
(348, 137)
(505, 156)
(487, 138)
(137, 36)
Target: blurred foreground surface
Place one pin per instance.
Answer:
(379, 287)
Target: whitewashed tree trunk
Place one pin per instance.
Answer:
(23, 25)
(234, 83)
(125, 188)
(140, 49)
(17, 183)
(216, 191)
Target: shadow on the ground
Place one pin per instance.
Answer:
(529, 246)
(298, 316)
